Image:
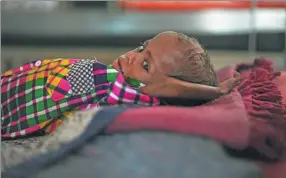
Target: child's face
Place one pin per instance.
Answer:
(159, 56)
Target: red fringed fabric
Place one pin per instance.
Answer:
(263, 102)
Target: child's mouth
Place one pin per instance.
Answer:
(117, 65)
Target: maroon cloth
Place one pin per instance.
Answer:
(277, 170)
(266, 112)
(250, 116)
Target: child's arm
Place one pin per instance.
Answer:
(176, 88)
(204, 92)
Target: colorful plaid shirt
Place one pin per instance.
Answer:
(40, 95)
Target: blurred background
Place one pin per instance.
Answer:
(233, 31)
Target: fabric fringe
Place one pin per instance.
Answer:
(263, 102)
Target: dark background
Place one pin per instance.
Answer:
(101, 28)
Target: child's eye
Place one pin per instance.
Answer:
(145, 65)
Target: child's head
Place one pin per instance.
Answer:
(171, 54)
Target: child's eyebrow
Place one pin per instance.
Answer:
(149, 52)
(146, 43)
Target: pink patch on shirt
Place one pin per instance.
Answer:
(64, 85)
(57, 96)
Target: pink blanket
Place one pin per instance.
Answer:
(252, 115)
(277, 170)
(264, 104)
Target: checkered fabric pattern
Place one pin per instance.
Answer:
(40, 95)
(80, 77)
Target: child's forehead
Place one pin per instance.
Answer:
(173, 42)
(166, 40)
(167, 35)
(166, 52)
(172, 47)
(168, 44)
(176, 35)
(179, 40)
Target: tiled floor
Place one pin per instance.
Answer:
(12, 57)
